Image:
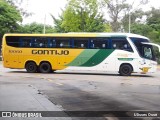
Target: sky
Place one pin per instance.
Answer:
(41, 9)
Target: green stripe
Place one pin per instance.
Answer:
(98, 58)
(125, 59)
(83, 57)
(89, 58)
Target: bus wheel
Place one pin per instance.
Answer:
(125, 70)
(45, 67)
(31, 67)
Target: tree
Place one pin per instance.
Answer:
(154, 19)
(58, 24)
(81, 16)
(135, 18)
(17, 4)
(151, 27)
(115, 10)
(108, 28)
(9, 17)
(35, 28)
(119, 11)
(142, 29)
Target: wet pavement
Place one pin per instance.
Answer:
(79, 91)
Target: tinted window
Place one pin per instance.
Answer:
(25, 42)
(12, 41)
(138, 44)
(52, 42)
(63, 43)
(99, 43)
(81, 42)
(40, 42)
(121, 43)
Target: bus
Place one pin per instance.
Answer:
(124, 53)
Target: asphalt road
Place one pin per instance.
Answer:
(79, 91)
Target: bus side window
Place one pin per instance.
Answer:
(82, 45)
(63, 42)
(98, 43)
(103, 45)
(25, 42)
(41, 42)
(121, 43)
(114, 45)
(81, 42)
(52, 43)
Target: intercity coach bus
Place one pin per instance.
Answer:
(119, 52)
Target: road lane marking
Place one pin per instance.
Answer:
(54, 82)
(50, 80)
(59, 84)
(38, 75)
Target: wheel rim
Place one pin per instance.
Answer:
(45, 67)
(31, 67)
(125, 70)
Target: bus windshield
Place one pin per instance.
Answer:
(145, 51)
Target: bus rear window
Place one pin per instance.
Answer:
(12, 41)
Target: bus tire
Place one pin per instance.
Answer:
(45, 67)
(125, 70)
(31, 67)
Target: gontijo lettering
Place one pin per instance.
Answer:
(50, 52)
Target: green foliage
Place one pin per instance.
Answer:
(72, 21)
(17, 5)
(80, 16)
(138, 14)
(36, 28)
(151, 28)
(153, 18)
(58, 24)
(141, 29)
(154, 36)
(9, 18)
(157, 54)
(108, 28)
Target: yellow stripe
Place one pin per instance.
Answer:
(57, 35)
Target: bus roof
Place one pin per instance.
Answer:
(80, 34)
